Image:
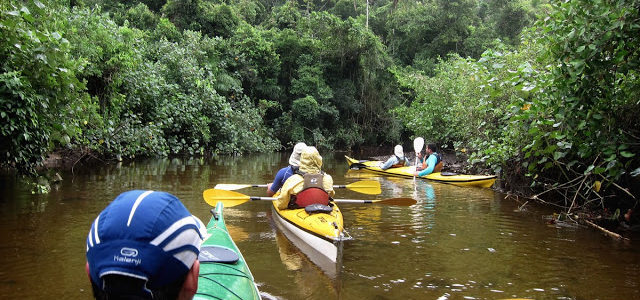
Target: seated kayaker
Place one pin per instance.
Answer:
(433, 163)
(286, 172)
(309, 185)
(144, 245)
(396, 160)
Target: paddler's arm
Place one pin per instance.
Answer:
(273, 187)
(431, 163)
(327, 181)
(282, 202)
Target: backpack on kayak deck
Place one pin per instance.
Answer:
(318, 208)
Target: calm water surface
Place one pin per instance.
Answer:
(456, 243)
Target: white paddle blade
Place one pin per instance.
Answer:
(418, 143)
(230, 186)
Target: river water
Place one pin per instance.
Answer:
(455, 243)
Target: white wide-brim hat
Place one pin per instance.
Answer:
(398, 151)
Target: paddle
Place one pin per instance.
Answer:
(369, 187)
(417, 147)
(231, 198)
(358, 165)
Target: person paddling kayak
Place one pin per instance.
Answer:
(433, 163)
(309, 185)
(286, 172)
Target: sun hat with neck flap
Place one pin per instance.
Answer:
(310, 161)
(398, 151)
(294, 159)
(148, 235)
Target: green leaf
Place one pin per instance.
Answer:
(588, 170)
(26, 14)
(558, 155)
(28, 17)
(599, 170)
(627, 154)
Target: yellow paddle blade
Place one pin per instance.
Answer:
(228, 198)
(397, 201)
(370, 187)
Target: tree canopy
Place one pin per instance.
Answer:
(543, 92)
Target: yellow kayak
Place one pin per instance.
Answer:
(445, 177)
(318, 231)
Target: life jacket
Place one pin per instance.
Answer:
(401, 162)
(439, 164)
(312, 192)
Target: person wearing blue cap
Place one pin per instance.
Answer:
(144, 245)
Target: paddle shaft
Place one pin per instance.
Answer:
(396, 201)
(231, 198)
(418, 143)
(370, 187)
(336, 186)
(256, 198)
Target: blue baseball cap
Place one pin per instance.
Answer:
(147, 235)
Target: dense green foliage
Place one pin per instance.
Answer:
(40, 94)
(558, 112)
(551, 104)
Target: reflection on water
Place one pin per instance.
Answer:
(309, 277)
(330, 267)
(237, 233)
(455, 243)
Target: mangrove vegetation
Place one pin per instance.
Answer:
(544, 93)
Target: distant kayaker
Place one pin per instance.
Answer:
(309, 185)
(286, 172)
(396, 160)
(433, 163)
(144, 245)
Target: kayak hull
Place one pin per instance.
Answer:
(321, 233)
(485, 181)
(223, 277)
